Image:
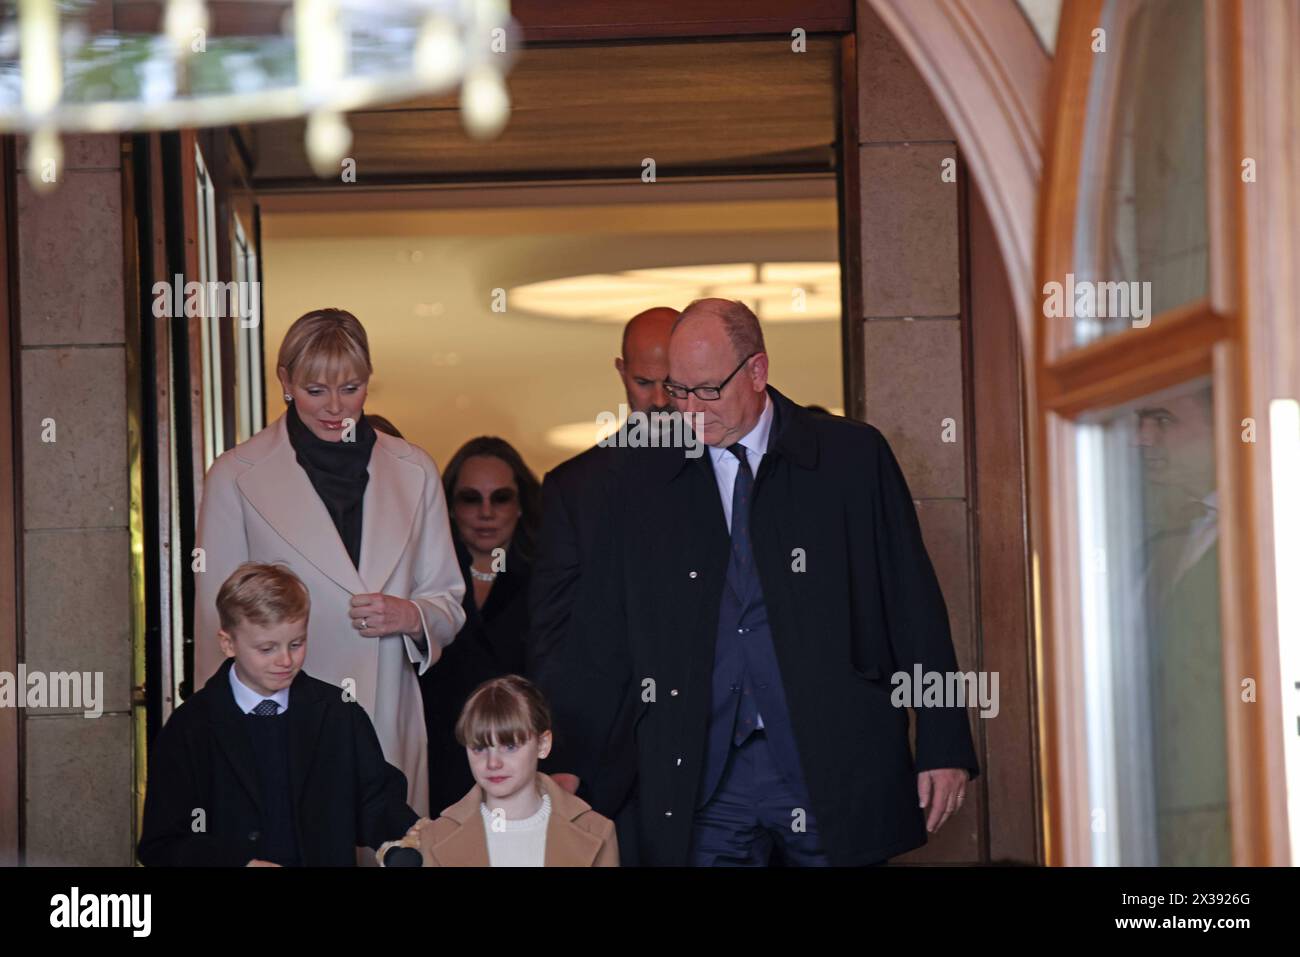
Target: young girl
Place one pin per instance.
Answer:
(513, 816)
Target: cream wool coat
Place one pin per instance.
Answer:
(259, 505)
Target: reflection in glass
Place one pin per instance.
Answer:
(1149, 536)
(1142, 188)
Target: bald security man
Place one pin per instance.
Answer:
(573, 510)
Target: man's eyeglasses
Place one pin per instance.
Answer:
(707, 393)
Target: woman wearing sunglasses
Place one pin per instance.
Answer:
(495, 502)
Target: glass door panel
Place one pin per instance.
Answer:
(1148, 521)
(1141, 217)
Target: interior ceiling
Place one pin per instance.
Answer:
(452, 360)
(600, 110)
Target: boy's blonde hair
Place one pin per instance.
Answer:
(262, 594)
(506, 710)
(322, 342)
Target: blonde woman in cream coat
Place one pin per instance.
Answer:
(360, 516)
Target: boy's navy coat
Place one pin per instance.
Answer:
(344, 793)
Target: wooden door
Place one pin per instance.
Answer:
(1160, 685)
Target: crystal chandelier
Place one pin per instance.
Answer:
(331, 56)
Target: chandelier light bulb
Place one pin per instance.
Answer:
(495, 11)
(438, 52)
(332, 58)
(320, 44)
(328, 140)
(484, 103)
(44, 159)
(185, 21)
(42, 66)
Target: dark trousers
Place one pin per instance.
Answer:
(755, 812)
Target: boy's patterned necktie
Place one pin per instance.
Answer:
(267, 708)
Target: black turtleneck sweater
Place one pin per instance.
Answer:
(338, 472)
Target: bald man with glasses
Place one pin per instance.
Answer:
(573, 515)
(750, 609)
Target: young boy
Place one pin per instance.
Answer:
(266, 766)
(513, 816)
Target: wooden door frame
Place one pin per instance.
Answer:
(1214, 336)
(1001, 587)
(1252, 88)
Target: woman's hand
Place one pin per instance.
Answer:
(376, 616)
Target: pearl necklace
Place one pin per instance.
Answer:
(479, 576)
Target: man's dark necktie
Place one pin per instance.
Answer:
(741, 550)
(267, 708)
(741, 574)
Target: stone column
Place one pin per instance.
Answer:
(75, 503)
(912, 333)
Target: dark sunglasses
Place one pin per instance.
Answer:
(499, 496)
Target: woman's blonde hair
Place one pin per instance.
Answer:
(505, 710)
(323, 342)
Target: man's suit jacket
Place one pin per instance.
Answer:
(575, 514)
(851, 598)
(259, 505)
(576, 836)
(571, 520)
(345, 795)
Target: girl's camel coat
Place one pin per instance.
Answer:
(259, 505)
(576, 836)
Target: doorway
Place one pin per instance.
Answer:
(732, 165)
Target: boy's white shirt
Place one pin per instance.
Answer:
(248, 699)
